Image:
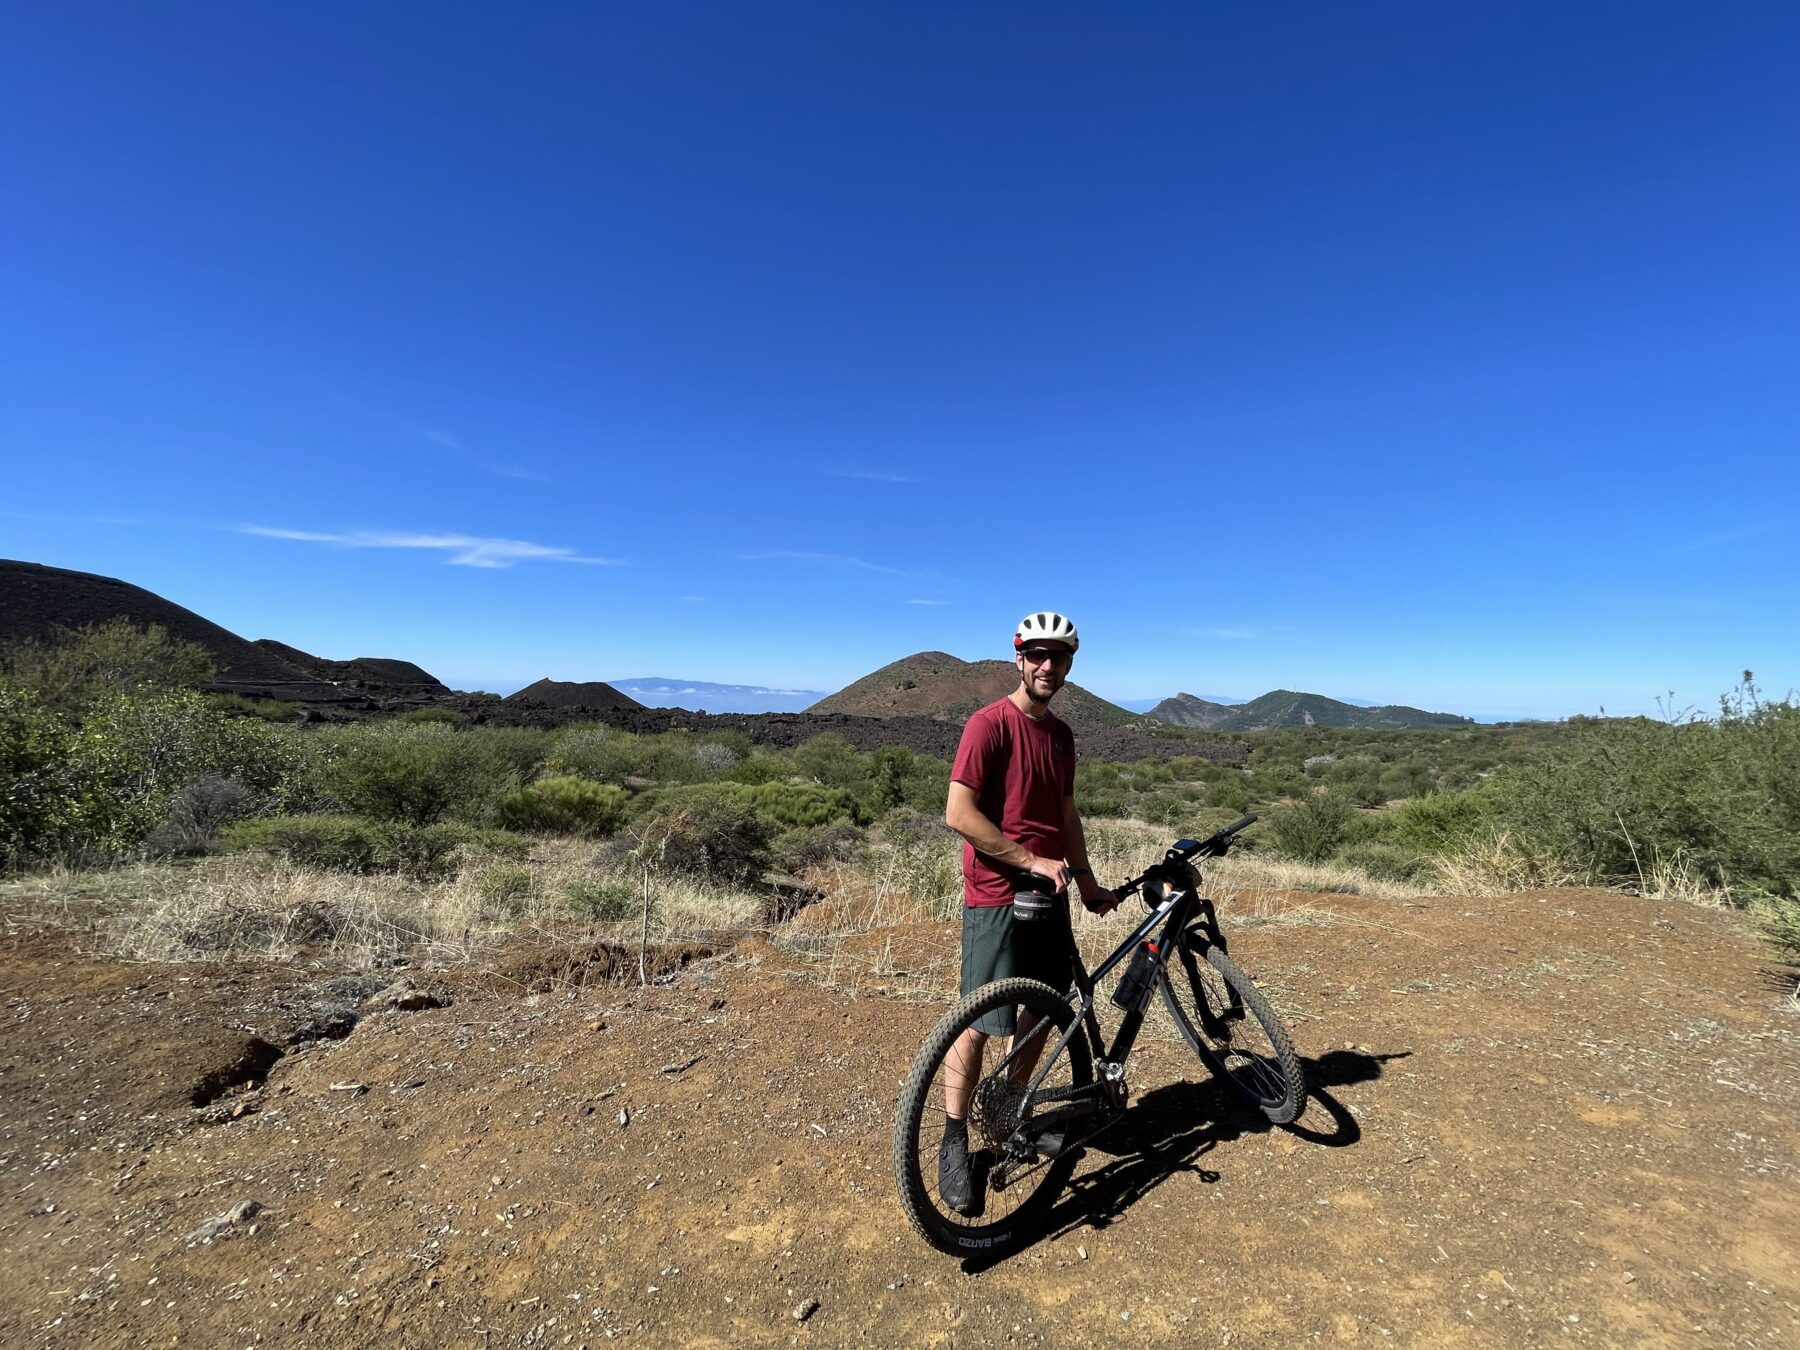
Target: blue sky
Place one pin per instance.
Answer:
(1436, 354)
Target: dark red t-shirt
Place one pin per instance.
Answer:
(1020, 769)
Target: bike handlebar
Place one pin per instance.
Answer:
(1213, 846)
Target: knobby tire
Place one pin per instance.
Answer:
(1266, 1076)
(1011, 1216)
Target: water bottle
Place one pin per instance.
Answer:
(1138, 980)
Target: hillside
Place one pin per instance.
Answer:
(36, 600)
(937, 684)
(1285, 708)
(374, 671)
(1189, 710)
(567, 694)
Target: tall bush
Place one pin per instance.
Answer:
(705, 832)
(83, 666)
(393, 772)
(37, 788)
(1311, 829)
(1618, 797)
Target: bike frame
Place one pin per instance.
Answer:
(1172, 888)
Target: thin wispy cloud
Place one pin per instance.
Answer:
(841, 561)
(1724, 537)
(872, 475)
(927, 602)
(468, 456)
(1225, 634)
(464, 550)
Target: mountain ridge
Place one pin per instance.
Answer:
(937, 684)
(1290, 708)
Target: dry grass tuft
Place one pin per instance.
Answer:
(1495, 863)
(1677, 877)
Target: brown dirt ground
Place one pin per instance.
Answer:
(1560, 1116)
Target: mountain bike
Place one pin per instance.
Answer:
(1057, 1083)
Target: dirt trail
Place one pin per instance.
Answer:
(1563, 1116)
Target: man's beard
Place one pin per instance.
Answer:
(1031, 689)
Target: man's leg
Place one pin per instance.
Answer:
(962, 1070)
(986, 956)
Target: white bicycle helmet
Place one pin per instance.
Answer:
(1045, 626)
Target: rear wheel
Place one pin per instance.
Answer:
(1015, 1183)
(1230, 1025)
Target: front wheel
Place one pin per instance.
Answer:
(1016, 1176)
(1230, 1025)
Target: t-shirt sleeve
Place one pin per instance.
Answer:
(979, 753)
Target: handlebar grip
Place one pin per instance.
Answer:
(1243, 824)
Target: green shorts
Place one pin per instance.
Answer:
(994, 947)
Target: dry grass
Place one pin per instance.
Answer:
(247, 906)
(1497, 864)
(1678, 878)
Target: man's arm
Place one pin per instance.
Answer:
(1094, 896)
(962, 813)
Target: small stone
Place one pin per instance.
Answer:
(802, 1311)
(1630, 1278)
(624, 1117)
(1081, 1252)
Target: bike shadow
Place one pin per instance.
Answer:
(1169, 1129)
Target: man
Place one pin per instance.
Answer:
(1012, 799)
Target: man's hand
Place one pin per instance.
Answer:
(1054, 870)
(1098, 900)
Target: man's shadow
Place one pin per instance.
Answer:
(1168, 1129)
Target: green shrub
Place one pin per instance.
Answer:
(829, 759)
(1619, 797)
(499, 843)
(815, 845)
(84, 666)
(338, 843)
(394, 772)
(506, 889)
(39, 792)
(331, 843)
(566, 805)
(1164, 807)
(601, 901)
(1230, 796)
(133, 754)
(791, 805)
(1437, 822)
(759, 769)
(781, 806)
(707, 832)
(1102, 801)
(422, 852)
(1385, 861)
(1311, 829)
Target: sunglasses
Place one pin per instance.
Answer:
(1037, 656)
